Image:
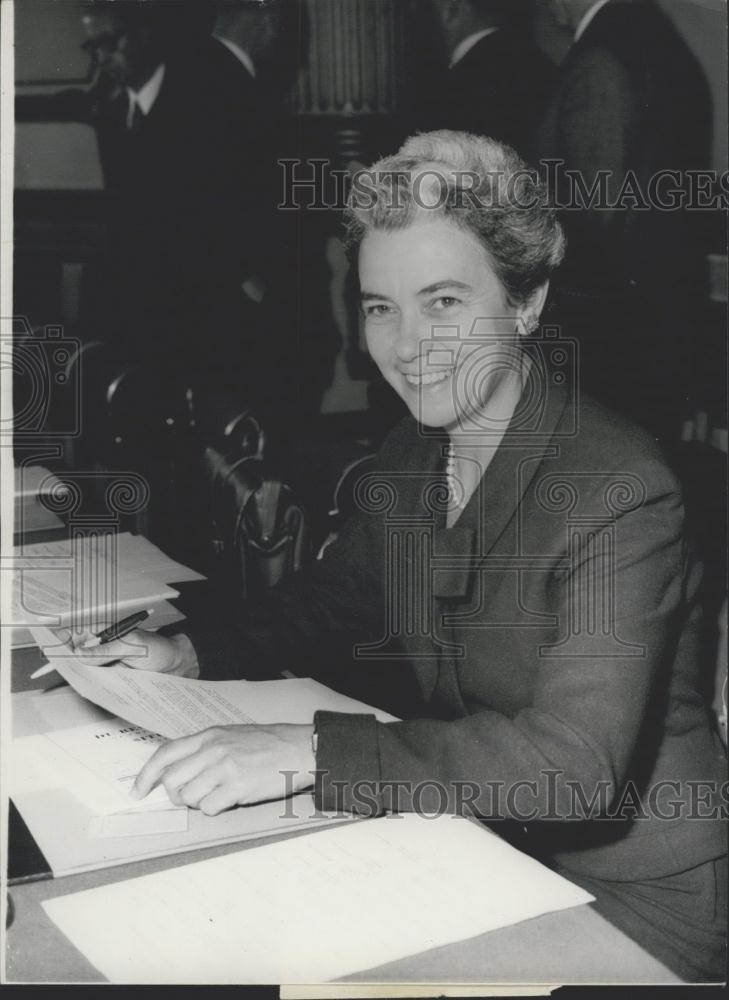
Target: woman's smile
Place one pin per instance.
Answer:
(431, 381)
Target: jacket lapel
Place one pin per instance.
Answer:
(462, 548)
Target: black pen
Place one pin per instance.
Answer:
(118, 630)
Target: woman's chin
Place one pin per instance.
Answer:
(431, 416)
(431, 409)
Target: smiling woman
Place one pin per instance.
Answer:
(521, 550)
(447, 295)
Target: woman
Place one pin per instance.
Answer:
(522, 549)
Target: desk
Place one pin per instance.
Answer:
(574, 946)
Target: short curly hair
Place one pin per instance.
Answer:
(479, 184)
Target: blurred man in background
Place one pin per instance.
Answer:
(497, 82)
(188, 138)
(631, 102)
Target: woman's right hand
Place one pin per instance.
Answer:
(140, 649)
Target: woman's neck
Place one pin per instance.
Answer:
(484, 429)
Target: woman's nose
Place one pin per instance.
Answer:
(408, 341)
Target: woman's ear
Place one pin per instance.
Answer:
(531, 310)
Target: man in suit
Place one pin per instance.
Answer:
(186, 138)
(497, 82)
(631, 102)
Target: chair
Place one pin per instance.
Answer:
(259, 533)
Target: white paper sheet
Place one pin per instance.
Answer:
(115, 752)
(96, 763)
(313, 908)
(139, 824)
(177, 706)
(48, 597)
(134, 556)
(96, 577)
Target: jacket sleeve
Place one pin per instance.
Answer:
(587, 714)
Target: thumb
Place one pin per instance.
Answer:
(131, 648)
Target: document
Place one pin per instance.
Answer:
(57, 596)
(313, 908)
(94, 576)
(114, 752)
(95, 763)
(178, 706)
(133, 555)
(163, 613)
(136, 554)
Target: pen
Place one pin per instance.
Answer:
(116, 631)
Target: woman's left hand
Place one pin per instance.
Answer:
(231, 765)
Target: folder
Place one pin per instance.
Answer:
(66, 831)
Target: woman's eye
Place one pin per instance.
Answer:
(377, 309)
(444, 302)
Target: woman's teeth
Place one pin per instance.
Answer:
(429, 378)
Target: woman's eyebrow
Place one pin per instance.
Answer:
(438, 286)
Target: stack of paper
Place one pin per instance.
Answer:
(107, 576)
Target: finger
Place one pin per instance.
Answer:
(221, 798)
(59, 643)
(66, 640)
(206, 782)
(161, 759)
(135, 644)
(181, 773)
(131, 649)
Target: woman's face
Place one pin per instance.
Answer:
(437, 321)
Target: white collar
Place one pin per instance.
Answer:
(466, 44)
(145, 97)
(240, 54)
(586, 18)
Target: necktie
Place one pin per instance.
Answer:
(134, 116)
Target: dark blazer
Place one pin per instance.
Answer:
(499, 89)
(630, 97)
(552, 634)
(191, 202)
